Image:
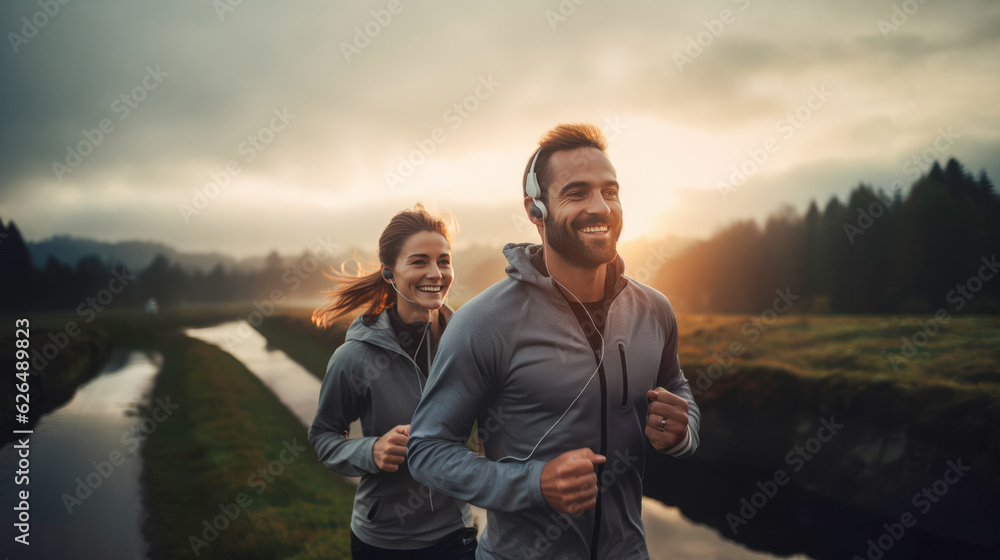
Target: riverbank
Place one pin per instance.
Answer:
(84, 468)
(232, 475)
(859, 414)
(60, 363)
(293, 333)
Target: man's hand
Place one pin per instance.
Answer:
(569, 482)
(665, 405)
(390, 449)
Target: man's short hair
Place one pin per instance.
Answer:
(562, 137)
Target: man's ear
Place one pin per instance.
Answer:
(528, 201)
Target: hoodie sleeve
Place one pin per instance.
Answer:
(342, 398)
(671, 378)
(464, 378)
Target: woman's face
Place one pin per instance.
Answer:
(423, 271)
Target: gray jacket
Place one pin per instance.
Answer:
(370, 377)
(515, 358)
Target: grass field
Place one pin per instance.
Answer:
(965, 352)
(231, 475)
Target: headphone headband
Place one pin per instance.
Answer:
(531, 186)
(534, 190)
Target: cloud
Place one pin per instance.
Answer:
(355, 119)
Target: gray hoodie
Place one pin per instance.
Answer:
(370, 377)
(516, 359)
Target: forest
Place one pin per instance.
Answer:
(878, 252)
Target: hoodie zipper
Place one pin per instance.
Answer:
(595, 536)
(621, 351)
(604, 451)
(400, 351)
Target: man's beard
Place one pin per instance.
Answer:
(568, 241)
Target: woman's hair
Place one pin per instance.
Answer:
(361, 289)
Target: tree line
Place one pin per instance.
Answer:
(93, 284)
(879, 252)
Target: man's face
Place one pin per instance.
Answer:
(585, 214)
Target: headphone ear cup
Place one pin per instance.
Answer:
(387, 274)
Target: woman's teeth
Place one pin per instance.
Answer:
(429, 288)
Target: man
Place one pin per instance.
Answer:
(569, 368)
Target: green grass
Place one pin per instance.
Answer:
(227, 427)
(964, 354)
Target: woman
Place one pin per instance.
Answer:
(377, 375)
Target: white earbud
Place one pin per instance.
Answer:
(387, 274)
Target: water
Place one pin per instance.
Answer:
(79, 510)
(669, 535)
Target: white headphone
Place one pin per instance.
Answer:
(534, 190)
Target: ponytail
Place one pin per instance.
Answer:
(354, 292)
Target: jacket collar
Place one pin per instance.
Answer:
(527, 264)
(378, 330)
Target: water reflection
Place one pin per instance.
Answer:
(84, 485)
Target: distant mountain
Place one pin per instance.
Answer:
(135, 255)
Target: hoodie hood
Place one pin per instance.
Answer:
(525, 263)
(380, 332)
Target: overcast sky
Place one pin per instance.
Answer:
(317, 104)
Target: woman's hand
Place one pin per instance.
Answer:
(390, 449)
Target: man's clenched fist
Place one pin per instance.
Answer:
(569, 482)
(666, 419)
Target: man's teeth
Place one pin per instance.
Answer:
(429, 288)
(595, 229)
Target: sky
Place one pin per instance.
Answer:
(245, 127)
